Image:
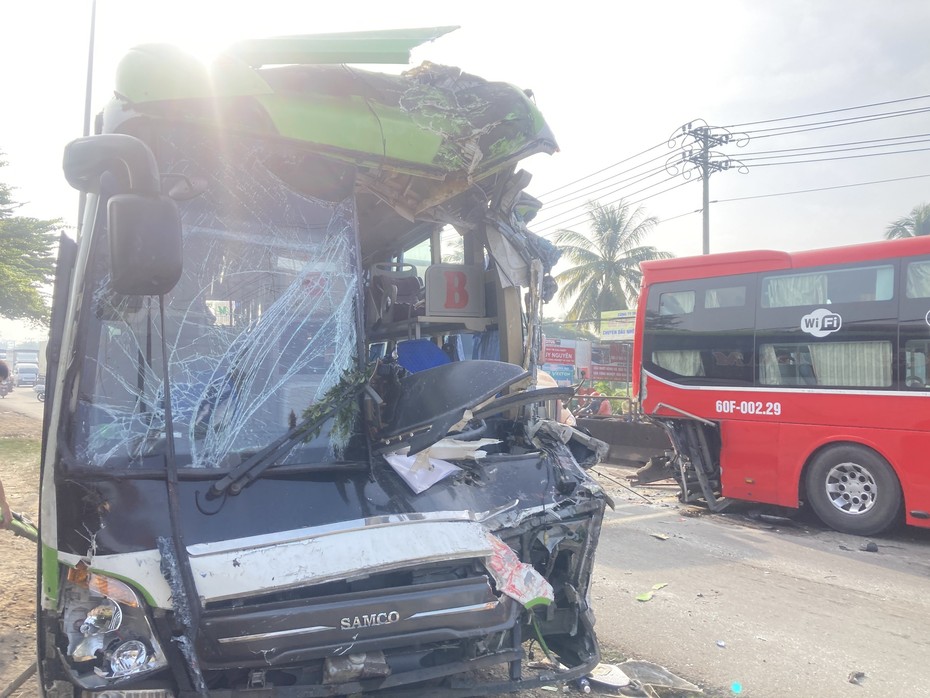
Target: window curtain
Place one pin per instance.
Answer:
(853, 364)
(684, 362)
(787, 291)
(680, 303)
(918, 280)
(770, 373)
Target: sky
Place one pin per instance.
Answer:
(612, 79)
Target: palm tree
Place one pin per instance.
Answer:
(605, 275)
(917, 223)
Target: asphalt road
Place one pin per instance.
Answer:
(23, 400)
(762, 608)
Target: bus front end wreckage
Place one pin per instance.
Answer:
(294, 441)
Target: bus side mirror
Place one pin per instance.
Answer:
(145, 244)
(144, 225)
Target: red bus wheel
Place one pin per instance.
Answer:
(854, 490)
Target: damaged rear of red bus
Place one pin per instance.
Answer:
(290, 446)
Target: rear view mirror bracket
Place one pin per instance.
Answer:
(144, 225)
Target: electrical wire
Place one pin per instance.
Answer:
(631, 182)
(619, 162)
(559, 220)
(805, 191)
(829, 111)
(551, 230)
(820, 125)
(763, 158)
(570, 195)
(879, 143)
(843, 157)
(591, 190)
(681, 215)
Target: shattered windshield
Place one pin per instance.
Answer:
(260, 326)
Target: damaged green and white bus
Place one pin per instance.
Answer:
(294, 443)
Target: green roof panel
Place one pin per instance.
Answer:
(384, 46)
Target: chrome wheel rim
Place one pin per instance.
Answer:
(851, 488)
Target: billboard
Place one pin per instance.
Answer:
(611, 361)
(559, 351)
(564, 375)
(618, 324)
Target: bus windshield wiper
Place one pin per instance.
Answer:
(250, 469)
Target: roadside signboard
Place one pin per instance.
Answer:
(618, 324)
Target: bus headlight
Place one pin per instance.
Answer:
(108, 631)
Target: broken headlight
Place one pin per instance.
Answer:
(108, 632)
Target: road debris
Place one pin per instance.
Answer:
(721, 644)
(856, 677)
(869, 547)
(657, 678)
(660, 536)
(646, 596)
(582, 685)
(609, 675)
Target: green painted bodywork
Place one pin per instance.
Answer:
(50, 580)
(351, 124)
(432, 120)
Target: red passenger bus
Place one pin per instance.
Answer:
(794, 378)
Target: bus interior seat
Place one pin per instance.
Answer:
(420, 354)
(395, 293)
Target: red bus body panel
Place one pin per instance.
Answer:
(769, 434)
(807, 423)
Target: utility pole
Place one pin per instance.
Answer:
(705, 177)
(697, 145)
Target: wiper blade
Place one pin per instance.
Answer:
(250, 469)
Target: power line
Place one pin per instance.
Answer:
(805, 191)
(839, 146)
(836, 123)
(757, 134)
(842, 157)
(587, 192)
(758, 196)
(619, 162)
(555, 202)
(830, 111)
(632, 181)
(560, 220)
(707, 161)
(680, 215)
(608, 203)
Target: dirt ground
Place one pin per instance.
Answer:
(19, 471)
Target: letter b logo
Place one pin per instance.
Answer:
(456, 293)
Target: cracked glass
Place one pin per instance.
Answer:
(261, 324)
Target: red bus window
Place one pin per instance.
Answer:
(676, 303)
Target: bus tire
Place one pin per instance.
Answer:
(854, 490)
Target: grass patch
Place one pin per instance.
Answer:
(20, 451)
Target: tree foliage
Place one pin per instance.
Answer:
(27, 261)
(914, 224)
(606, 274)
